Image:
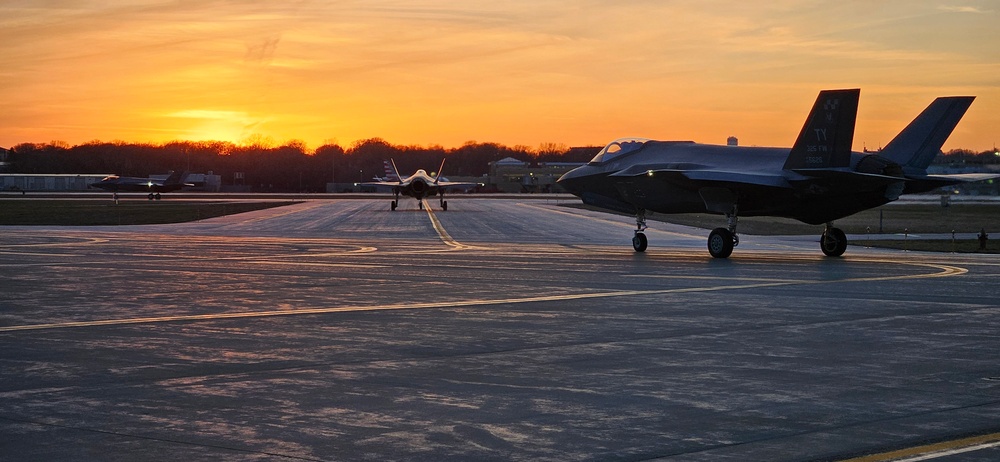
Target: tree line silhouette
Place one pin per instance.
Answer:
(290, 167)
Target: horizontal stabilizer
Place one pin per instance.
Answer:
(924, 183)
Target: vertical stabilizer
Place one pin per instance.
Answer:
(915, 147)
(440, 169)
(175, 177)
(826, 138)
(395, 171)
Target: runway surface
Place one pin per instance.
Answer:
(498, 330)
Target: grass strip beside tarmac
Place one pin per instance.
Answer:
(105, 212)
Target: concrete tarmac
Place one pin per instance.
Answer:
(498, 330)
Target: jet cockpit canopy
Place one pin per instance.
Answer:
(617, 148)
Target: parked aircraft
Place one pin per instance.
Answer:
(116, 184)
(390, 174)
(419, 185)
(818, 180)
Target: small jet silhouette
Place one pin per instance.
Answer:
(116, 184)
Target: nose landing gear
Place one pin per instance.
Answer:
(639, 242)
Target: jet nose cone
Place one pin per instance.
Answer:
(570, 180)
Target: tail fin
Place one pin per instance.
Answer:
(175, 177)
(440, 169)
(395, 172)
(390, 171)
(826, 138)
(915, 147)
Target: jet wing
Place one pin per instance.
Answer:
(684, 177)
(454, 184)
(383, 183)
(845, 176)
(384, 186)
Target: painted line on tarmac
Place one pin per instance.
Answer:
(286, 212)
(77, 241)
(556, 209)
(442, 233)
(945, 271)
(934, 451)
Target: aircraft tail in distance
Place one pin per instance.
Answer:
(915, 147)
(390, 171)
(828, 133)
(175, 177)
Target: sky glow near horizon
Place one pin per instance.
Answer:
(442, 73)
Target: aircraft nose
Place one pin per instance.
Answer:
(570, 180)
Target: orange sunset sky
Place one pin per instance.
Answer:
(521, 72)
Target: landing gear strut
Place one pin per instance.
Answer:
(639, 242)
(444, 203)
(722, 240)
(833, 242)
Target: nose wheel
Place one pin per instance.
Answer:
(639, 242)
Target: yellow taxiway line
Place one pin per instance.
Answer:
(944, 272)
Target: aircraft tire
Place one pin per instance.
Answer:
(833, 242)
(150, 196)
(444, 206)
(392, 206)
(639, 242)
(720, 243)
(156, 196)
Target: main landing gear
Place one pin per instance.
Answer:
(722, 240)
(420, 203)
(833, 242)
(154, 196)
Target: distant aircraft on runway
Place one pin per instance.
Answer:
(116, 184)
(418, 186)
(818, 180)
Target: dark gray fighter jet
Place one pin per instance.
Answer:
(818, 180)
(116, 184)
